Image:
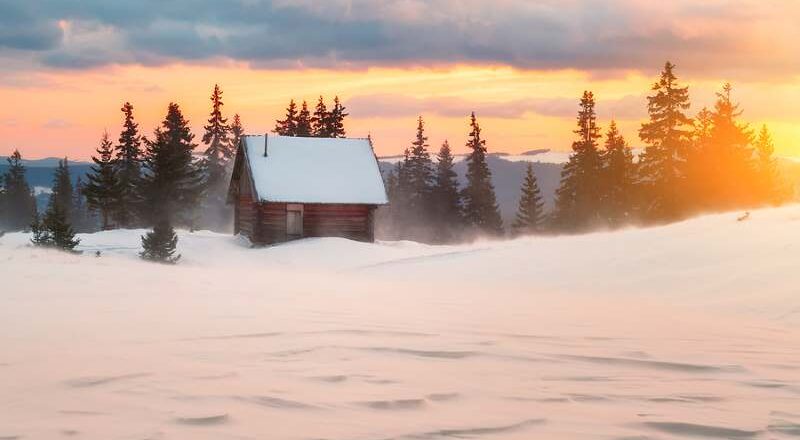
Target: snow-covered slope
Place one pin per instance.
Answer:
(685, 331)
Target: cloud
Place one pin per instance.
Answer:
(736, 37)
(630, 107)
(57, 123)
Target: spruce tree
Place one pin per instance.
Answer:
(304, 128)
(237, 131)
(700, 162)
(171, 186)
(160, 244)
(480, 203)
(336, 123)
(82, 220)
(730, 170)
(667, 137)
(530, 213)
(62, 195)
(215, 162)
(55, 229)
(288, 125)
(418, 177)
(769, 185)
(446, 197)
(103, 187)
(19, 204)
(619, 178)
(578, 196)
(128, 163)
(216, 138)
(320, 120)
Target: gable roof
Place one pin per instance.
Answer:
(314, 170)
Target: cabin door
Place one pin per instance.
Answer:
(294, 221)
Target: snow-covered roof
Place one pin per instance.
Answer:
(314, 170)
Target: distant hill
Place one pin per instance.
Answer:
(39, 174)
(507, 178)
(47, 162)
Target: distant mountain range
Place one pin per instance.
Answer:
(39, 173)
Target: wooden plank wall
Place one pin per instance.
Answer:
(330, 220)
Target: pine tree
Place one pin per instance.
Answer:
(218, 151)
(103, 189)
(62, 195)
(418, 178)
(19, 205)
(730, 171)
(700, 162)
(160, 244)
(480, 203)
(619, 178)
(578, 195)
(320, 120)
(237, 131)
(82, 220)
(128, 163)
(530, 214)
(288, 125)
(446, 197)
(336, 123)
(55, 229)
(216, 157)
(171, 186)
(769, 185)
(667, 135)
(304, 128)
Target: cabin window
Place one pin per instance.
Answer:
(294, 220)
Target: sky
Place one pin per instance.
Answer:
(521, 65)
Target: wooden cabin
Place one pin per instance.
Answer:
(285, 188)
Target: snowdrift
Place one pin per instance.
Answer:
(685, 331)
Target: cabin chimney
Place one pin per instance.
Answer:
(266, 143)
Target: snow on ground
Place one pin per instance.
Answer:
(685, 331)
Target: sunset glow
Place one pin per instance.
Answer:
(65, 92)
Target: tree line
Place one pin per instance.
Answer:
(322, 123)
(138, 181)
(158, 181)
(711, 162)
